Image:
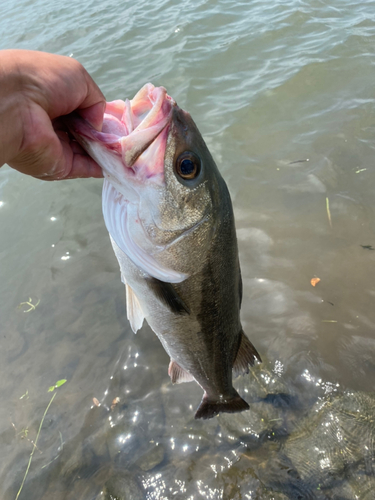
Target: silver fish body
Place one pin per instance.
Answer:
(173, 234)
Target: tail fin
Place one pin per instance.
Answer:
(211, 407)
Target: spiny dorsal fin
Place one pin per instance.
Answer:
(246, 355)
(178, 374)
(167, 294)
(133, 309)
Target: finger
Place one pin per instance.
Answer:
(93, 114)
(63, 86)
(82, 167)
(75, 162)
(65, 136)
(50, 154)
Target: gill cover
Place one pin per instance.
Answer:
(121, 218)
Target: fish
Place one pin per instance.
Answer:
(170, 219)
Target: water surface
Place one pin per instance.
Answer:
(283, 93)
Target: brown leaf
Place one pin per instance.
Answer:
(115, 402)
(314, 281)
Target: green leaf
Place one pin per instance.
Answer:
(59, 383)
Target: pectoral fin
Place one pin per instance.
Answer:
(133, 309)
(246, 355)
(178, 375)
(167, 294)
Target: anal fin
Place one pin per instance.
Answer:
(246, 355)
(133, 309)
(178, 375)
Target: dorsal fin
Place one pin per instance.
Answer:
(167, 294)
(246, 355)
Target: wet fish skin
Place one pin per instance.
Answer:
(189, 228)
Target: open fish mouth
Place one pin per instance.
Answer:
(131, 149)
(133, 138)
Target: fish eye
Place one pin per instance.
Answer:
(188, 165)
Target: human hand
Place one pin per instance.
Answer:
(36, 88)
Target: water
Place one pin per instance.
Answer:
(283, 92)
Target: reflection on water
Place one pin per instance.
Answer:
(314, 441)
(284, 95)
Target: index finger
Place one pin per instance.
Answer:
(59, 84)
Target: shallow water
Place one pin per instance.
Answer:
(283, 93)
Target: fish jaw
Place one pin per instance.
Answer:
(130, 148)
(131, 145)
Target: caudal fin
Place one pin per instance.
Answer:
(210, 407)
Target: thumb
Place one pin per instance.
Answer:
(94, 114)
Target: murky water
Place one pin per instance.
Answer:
(283, 92)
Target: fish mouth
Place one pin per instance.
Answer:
(132, 142)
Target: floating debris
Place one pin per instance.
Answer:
(59, 383)
(328, 212)
(115, 402)
(314, 281)
(298, 161)
(26, 395)
(29, 303)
